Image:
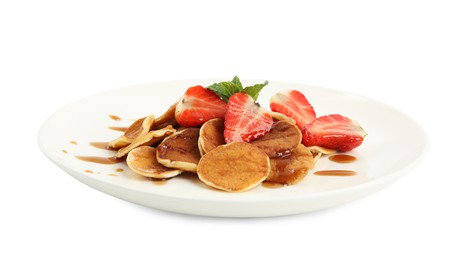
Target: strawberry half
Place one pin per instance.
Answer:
(293, 104)
(334, 132)
(245, 120)
(197, 106)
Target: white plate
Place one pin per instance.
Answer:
(395, 143)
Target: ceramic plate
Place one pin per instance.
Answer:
(395, 143)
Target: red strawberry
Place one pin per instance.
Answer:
(245, 120)
(334, 132)
(293, 104)
(197, 106)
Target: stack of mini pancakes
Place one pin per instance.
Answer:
(160, 148)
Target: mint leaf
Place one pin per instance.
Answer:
(225, 89)
(237, 81)
(254, 90)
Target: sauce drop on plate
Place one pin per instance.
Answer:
(100, 160)
(116, 118)
(118, 128)
(342, 158)
(272, 185)
(159, 181)
(101, 145)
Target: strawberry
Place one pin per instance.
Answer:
(334, 132)
(293, 104)
(197, 106)
(245, 120)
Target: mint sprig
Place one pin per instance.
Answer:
(254, 90)
(226, 89)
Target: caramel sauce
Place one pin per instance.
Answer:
(335, 173)
(88, 171)
(281, 166)
(158, 181)
(292, 168)
(112, 174)
(116, 118)
(118, 128)
(73, 142)
(342, 158)
(119, 170)
(65, 151)
(100, 160)
(281, 140)
(101, 145)
(272, 185)
(182, 147)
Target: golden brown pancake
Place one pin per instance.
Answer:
(150, 138)
(211, 135)
(139, 128)
(119, 142)
(318, 151)
(292, 168)
(234, 167)
(321, 150)
(281, 117)
(168, 118)
(280, 140)
(180, 150)
(142, 160)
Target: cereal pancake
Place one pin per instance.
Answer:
(234, 167)
(280, 140)
(211, 135)
(180, 150)
(142, 160)
(292, 168)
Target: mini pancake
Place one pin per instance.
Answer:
(211, 135)
(234, 167)
(150, 138)
(119, 142)
(321, 150)
(318, 151)
(142, 160)
(139, 128)
(180, 150)
(293, 168)
(280, 140)
(168, 118)
(281, 117)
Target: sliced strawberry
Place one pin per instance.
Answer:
(293, 104)
(197, 106)
(334, 132)
(245, 120)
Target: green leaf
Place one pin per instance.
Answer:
(254, 90)
(225, 89)
(237, 81)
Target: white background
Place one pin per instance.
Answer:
(403, 53)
